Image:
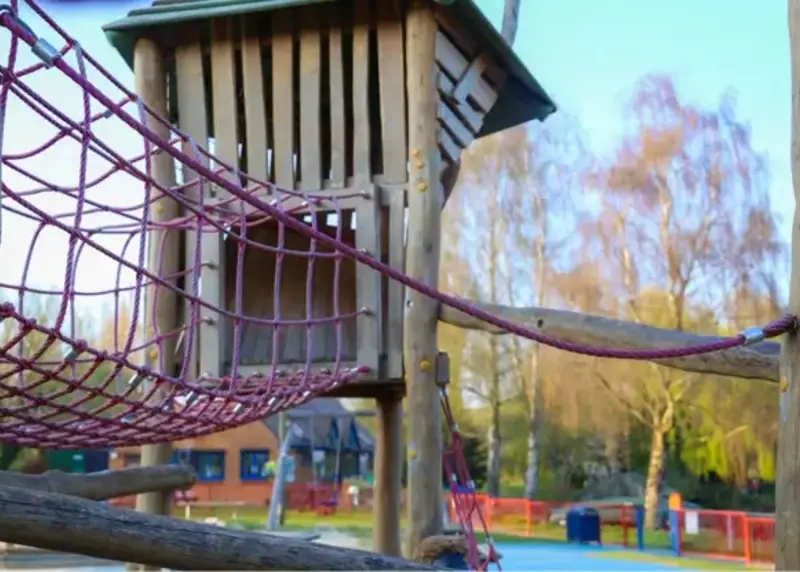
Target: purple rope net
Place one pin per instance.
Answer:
(60, 391)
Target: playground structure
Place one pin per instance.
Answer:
(299, 257)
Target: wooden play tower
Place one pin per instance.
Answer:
(373, 100)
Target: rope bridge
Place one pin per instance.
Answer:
(60, 391)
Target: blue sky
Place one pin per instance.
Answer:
(587, 55)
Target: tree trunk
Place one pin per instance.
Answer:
(493, 458)
(534, 423)
(655, 470)
(510, 21)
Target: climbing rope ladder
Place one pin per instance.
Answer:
(59, 391)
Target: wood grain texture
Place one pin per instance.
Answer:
(787, 497)
(759, 361)
(105, 484)
(68, 524)
(424, 440)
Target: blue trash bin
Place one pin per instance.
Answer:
(583, 525)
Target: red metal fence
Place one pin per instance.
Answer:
(721, 534)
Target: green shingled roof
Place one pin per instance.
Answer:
(521, 99)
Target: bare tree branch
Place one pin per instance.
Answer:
(510, 21)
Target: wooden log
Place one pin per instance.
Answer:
(105, 484)
(759, 361)
(163, 254)
(388, 475)
(422, 263)
(69, 524)
(787, 547)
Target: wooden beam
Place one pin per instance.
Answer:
(759, 361)
(163, 254)
(388, 475)
(68, 524)
(787, 540)
(105, 484)
(422, 263)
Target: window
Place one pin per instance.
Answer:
(253, 465)
(209, 466)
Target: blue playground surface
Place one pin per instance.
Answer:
(518, 557)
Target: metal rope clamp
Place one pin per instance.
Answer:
(754, 335)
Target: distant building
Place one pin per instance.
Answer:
(231, 465)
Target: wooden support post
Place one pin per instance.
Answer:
(163, 253)
(787, 545)
(388, 475)
(422, 263)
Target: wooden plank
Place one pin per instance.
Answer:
(310, 116)
(469, 45)
(283, 99)
(362, 147)
(396, 291)
(453, 124)
(223, 90)
(473, 119)
(255, 112)
(48, 520)
(787, 549)
(424, 516)
(368, 283)
(455, 64)
(391, 74)
(338, 128)
(467, 83)
(449, 147)
(192, 122)
(161, 304)
(758, 361)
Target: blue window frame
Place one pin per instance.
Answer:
(209, 466)
(253, 464)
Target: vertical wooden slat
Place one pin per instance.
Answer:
(336, 78)
(226, 139)
(396, 291)
(223, 90)
(283, 99)
(368, 283)
(362, 150)
(254, 109)
(310, 116)
(391, 71)
(192, 122)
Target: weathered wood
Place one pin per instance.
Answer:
(759, 361)
(473, 119)
(192, 121)
(223, 96)
(69, 524)
(254, 107)
(388, 475)
(163, 255)
(453, 124)
(362, 144)
(105, 484)
(338, 131)
(422, 263)
(391, 71)
(787, 541)
(310, 85)
(369, 292)
(396, 292)
(283, 99)
(456, 64)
